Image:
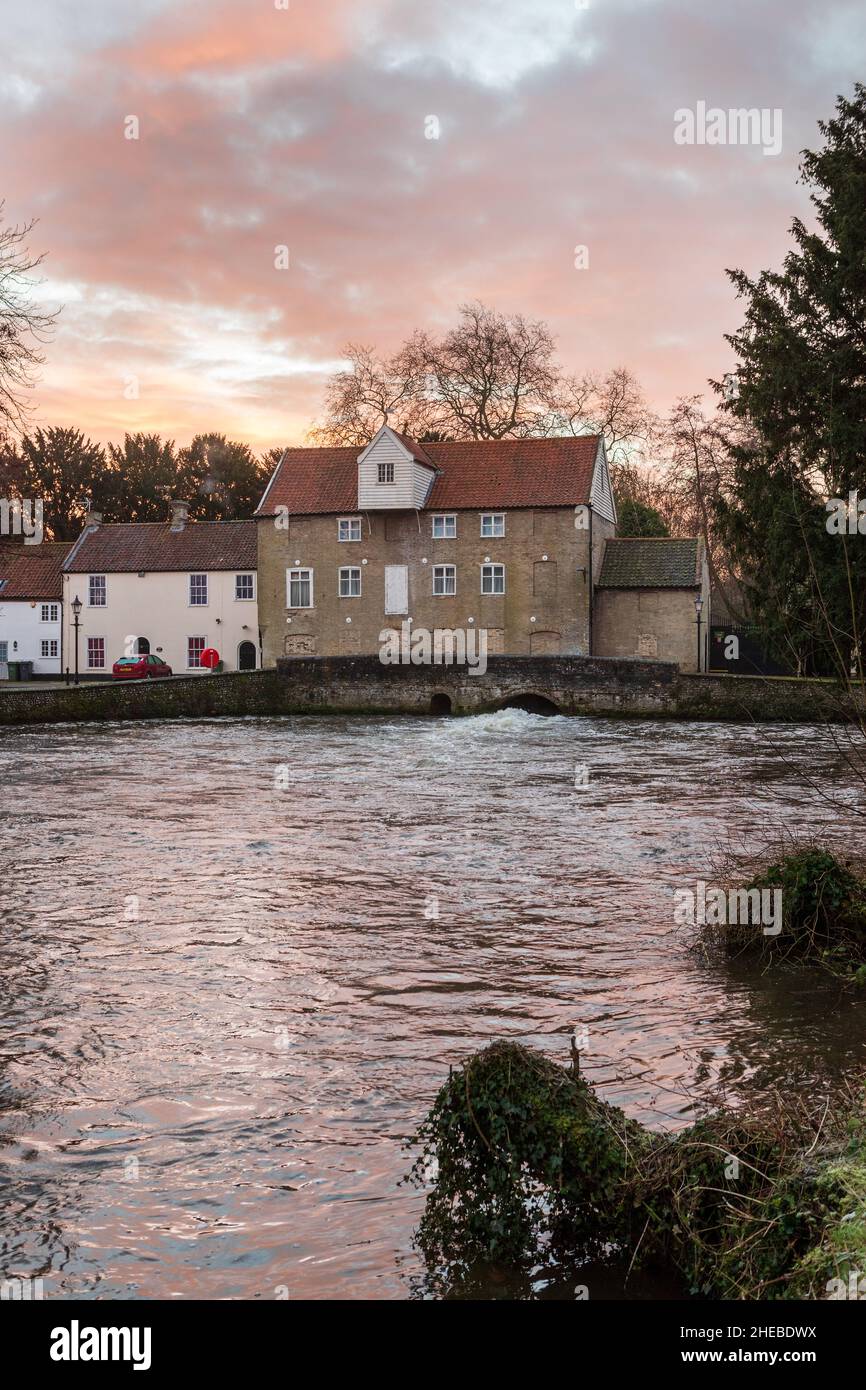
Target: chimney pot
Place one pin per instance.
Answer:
(92, 520)
(179, 515)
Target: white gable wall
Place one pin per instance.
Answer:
(411, 483)
(23, 632)
(601, 492)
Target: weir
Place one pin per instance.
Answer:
(570, 685)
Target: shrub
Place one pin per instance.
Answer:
(525, 1159)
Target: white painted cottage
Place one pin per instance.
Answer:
(174, 589)
(31, 592)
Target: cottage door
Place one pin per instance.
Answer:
(396, 588)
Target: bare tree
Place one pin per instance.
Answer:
(647, 485)
(490, 377)
(24, 326)
(698, 470)
(613, 406)
(373, 392)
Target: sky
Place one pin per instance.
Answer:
(410, 155)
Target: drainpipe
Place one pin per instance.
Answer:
(589, 580)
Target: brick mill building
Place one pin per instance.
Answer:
(516, 536)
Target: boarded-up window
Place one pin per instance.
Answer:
(396, 588)
(495, 641)
(300, 644)
(544, 579)
(544, 643)
(647, 644)
(394, 527)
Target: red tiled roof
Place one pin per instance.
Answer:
(418, 451)
(32, 571)
(152, 545)
(473, 473)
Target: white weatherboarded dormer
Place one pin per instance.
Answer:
(393, 473)
(601, 493)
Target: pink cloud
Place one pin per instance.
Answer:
(261, 127)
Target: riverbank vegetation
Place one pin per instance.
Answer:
(528, 1162)
(823, 908)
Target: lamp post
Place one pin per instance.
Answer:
(76, 623)
(699, 603)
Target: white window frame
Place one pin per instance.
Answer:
(296, 575)
(497, 525)
(199, 574)
(492, 592)
(351, 524)
(90, 591)
(49, 642)
(385, 471)
(245, 598)
(195, 637)
(92, 665)
(445, 572)
(446, 533)
(349, 573)
(52, 610)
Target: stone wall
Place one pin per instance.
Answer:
(648, 623)
(362, 685)
(545, 607)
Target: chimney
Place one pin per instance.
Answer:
(179, 515)
(93, 521)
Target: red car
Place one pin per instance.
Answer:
(139, 668)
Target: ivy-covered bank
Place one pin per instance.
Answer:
(528, 1160)
(821, 917)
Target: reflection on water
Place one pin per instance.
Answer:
(229, 992)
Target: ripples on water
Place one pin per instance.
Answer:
(210, 1100)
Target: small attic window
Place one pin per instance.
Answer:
(386, 473)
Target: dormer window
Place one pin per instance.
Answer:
(394, 473)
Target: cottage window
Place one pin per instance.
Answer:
(349, 528)
(444, 528)
(245, 587)
(194, 648)
(97, 596)
(49, 647)
(49, 613)
(198, 591)
(385, 473)
(444, 580)
(492, 524)
(95, 653)
(299, 588)
(350, 581)
(493, 579)
(4, 651)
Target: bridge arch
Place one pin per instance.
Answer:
(440, 703)
(532, 701)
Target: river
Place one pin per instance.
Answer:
(237, 957)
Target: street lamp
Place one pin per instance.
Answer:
(699, 603)
(76, 623)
